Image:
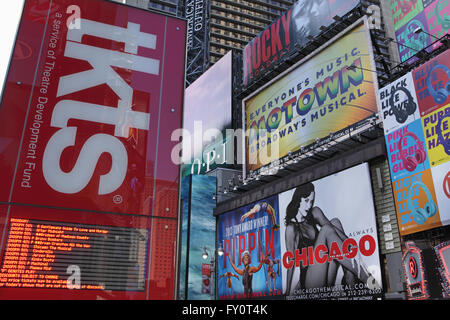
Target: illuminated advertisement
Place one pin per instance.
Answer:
(432, 83)
(301, 21)
(414, 270)
(407, 151)
(442, 252)
(207, 115)
(308, 243)
(432, 16)
(197, 236)
(416, 203)
(86, 117)
(329, 92)
(409, 42)
(426, 269)
(415, 119)
(398, 103)
(329, 240)
(404, 10)
(437, 131)
(250, 266)
(90, 134)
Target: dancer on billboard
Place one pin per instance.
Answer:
(264, 207)
(271, 274)
(303, 220)
(229, 284)
(247, 272)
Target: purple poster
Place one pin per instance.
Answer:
(410, 42)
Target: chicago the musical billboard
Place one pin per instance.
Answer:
(307, 243)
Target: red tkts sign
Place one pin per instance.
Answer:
(87, 113)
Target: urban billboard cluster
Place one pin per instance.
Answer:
(310, 242)
(415, 110)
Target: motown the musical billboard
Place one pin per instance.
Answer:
(329, 91)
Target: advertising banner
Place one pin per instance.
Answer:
(407, 152)
(416, 203)
(426, 269)
(432, 82)
(250, 265)
(105, 76)
(331, 91)
(206, 116)
(431, 16)
(206, 278)
(409, 42)
(441, 181)
(329, 240)
(398, 103)
(293, 28)
(416, 137)
(437, 131)
(404, 10)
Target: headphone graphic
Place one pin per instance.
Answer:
(445, 143)
(410, 163)
(410, 106)
(416, 41)
(406, 5)
(420, 215)
(444, 21)
(439, 95)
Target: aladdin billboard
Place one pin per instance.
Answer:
(308, 243)
(294, 27)
(327, 92)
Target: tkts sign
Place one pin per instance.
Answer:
(100, 91)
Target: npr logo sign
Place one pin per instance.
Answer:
(123, 118)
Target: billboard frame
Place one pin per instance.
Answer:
(362, 21)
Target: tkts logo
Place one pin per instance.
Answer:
(123, 118)
(91, 136)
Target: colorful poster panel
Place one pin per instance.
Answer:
(438, 19)
(398, 103)
(329, 239)
(404, 10)
(250, 265)
(436, 130)
(416, 203)
(410, 42)
(406, 151)
(441, 180)
(426, 269)
(432, 82)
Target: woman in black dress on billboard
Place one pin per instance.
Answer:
(302, 221)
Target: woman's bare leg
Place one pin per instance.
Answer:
(317, 274)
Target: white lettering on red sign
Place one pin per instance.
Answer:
(123, 118)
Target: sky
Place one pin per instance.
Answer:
(9, 20)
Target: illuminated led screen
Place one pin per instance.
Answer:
(55, 255)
